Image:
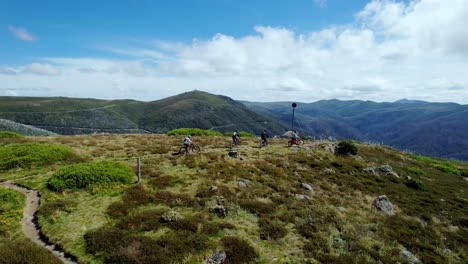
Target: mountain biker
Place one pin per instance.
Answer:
(295, 137)
(264, 137)
(235, 138)
(187, 142)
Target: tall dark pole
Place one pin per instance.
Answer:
(292, 121)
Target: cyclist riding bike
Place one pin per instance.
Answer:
(235, 138)
(187, 143)
(295, 139)
(264, 137)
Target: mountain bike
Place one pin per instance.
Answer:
(264, 143)
(295, 141)
(192, 148)
(235, 142)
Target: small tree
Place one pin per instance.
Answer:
(346, 147)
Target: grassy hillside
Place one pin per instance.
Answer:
(85, 116)
(434, 129)
(275, 204)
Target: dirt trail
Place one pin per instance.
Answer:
(30, 226)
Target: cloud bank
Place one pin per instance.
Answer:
(393, 50)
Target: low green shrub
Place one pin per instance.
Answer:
(9, 134)
(271, 230)
(136, 195)
(449, 168)
(415, 170)
(119, 209)
(25, 251)
(11, 203)
(28, 155)
(54, 206)
(346, 147)
(416, 184)
(85, 175)
(256, 207)
(144, 221)
(104, 240)
(238, 251)
(193, 132)
(10, 200)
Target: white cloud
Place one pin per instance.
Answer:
(22, 34)
(394, 50)
(41, 69)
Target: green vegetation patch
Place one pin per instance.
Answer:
(25, 251)
(86, 175)
(29, 155)
(346, 147)
(11, 204)
(193, 132)
(9, 134)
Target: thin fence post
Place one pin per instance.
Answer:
(139, 169)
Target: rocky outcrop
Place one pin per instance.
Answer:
(383, 204)
(409, 257)
(217, 258)
(217, 206)
(243, 183)
(383, 170)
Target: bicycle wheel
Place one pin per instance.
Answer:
(290, 143)
(301, 142)
(182, 150)
(195, 148)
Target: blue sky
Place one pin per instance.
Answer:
(78, 28)
(380, 50)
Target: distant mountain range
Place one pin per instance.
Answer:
(433, 129)
(83, 116)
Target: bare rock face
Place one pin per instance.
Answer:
(217, 258)
(409, 257)
(383, 204)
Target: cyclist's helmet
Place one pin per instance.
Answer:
(189, 136)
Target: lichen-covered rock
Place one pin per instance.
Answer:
(371, 170)
(383, 204)
(384, 170)
(217, 206)
(243, 183)
(171, 216)
(217, 258)
(387, 170)
(409, 257)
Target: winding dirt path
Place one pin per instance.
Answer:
(30, 226)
